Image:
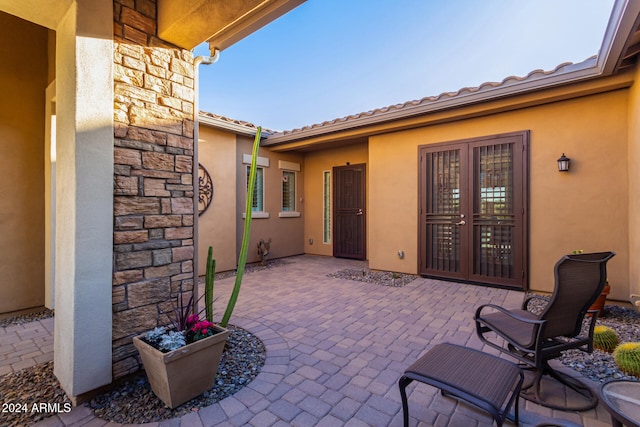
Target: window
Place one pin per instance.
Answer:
(258, 189)
(288, 191)
(258, 206)
(326, 207)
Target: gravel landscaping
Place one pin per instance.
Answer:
(132, 401)
(599, 366)
(20, 391)
(383, 278)
(26, 318)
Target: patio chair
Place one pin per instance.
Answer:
(535, 339)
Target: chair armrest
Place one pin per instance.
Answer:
(533, 336)
(509, 313)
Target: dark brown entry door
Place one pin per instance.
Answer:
(473, 210)
(349, 212)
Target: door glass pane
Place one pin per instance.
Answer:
(443, 210)
(326, 211)
(493, 211)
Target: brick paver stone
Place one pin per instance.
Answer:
(336, 348)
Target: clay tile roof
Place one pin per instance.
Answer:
(507, 86)
(232, 123)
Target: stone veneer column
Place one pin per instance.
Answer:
(153, 181)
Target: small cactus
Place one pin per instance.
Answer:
(605, 338)
(627, 357)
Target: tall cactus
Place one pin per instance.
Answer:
(242, 260)
(208, 287)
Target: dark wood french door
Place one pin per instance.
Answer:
(473, 210)
(349, 213)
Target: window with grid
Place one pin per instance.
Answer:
(258, 189)
(288, 191)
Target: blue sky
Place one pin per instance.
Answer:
(331, 58)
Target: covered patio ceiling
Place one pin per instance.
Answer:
(186, 24)
(219, 22)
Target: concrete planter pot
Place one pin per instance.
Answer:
(180, 375)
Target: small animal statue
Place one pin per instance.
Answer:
(263, 250)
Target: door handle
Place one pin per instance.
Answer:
(463, 222)
(359, 212)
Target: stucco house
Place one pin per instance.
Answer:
(463, 185)
(224, 152)
(102, 139)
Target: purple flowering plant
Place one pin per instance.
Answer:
(185, 327)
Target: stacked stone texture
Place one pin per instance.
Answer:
(153, 176)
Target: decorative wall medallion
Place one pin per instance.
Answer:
(205, 189)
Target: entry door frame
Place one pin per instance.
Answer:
(351, 213)
(468, 168)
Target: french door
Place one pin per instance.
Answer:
(473, 210)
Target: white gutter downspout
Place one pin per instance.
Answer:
(207, 60)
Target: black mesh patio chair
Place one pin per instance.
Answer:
(534, 339)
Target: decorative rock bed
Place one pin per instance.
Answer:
(26, 318)
(599, 366)
(383, 278)
(132, 401)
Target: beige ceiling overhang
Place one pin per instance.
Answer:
(47, 13)
(220, 22)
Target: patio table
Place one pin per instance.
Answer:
(622, 399)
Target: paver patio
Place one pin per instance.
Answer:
(336, 349)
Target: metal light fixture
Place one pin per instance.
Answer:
(563, 163)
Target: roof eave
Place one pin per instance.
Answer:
(577, 72)
(623, 21)
(224, 125)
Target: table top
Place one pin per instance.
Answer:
(622, 399)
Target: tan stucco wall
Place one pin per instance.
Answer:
(23, 80)
(393, 199)
(286, 233)
(217, 225)
(316, 162)
(634, 185)
(586, 208)
(221, 226)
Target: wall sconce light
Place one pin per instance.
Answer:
(563, 163)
